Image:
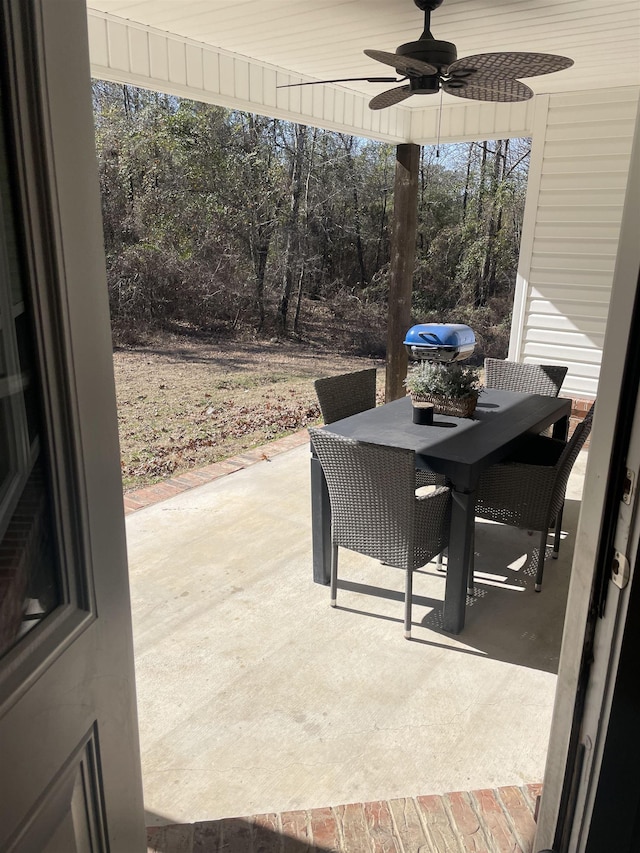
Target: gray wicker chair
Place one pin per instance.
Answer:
(351, 393)
(375, 510)
(528, 490)
(345, 395)
(545, 379)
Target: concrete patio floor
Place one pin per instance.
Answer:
(255, 696)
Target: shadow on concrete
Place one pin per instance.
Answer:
(152, 819)
(506, 619)
(233, 835)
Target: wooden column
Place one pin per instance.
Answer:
(403, 255)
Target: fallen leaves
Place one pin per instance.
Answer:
(195, 403)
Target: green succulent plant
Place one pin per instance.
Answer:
(454, 381)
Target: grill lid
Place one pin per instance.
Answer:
(440, 342)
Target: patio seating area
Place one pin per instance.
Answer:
(255, 696)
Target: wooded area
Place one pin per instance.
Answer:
(224, 222)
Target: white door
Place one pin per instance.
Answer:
(598, 612)
(69, 755)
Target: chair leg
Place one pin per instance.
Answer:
(471, 566)
(557, 534)
(470, 587)
(542, 551)
(439, 565)
(408, 598)
(334, 573)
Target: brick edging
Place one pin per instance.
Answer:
(148, 495)
(579, 407)
(490, 818)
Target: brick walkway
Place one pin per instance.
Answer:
(486, 821)
(148, 495)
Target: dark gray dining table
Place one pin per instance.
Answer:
(459, 448)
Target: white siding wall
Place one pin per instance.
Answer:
(471, 121)
(127, 52)
(577, 182)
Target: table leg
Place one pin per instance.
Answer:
(320, 524)
(460, 555)
(561, 429)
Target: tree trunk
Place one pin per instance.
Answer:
(364, 279)
(259, 253)
(487, 278)
(467, 182)
(262, 222)
(357, 221)
(291, 229)
(382, 229)
(303, 247)
(482, 192)
(403, 253)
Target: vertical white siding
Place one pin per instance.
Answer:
(577, 183)
(470, 121)
(127, 52)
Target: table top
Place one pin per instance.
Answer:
(460, 448)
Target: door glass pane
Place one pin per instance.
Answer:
(28, 583)
(3, 366)
(5, 445)
(30, 586)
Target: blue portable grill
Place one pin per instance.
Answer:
(444, 342)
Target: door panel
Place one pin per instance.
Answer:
(70, 775)
(68, 817)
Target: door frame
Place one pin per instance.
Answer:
(596, 608)
(68, 720)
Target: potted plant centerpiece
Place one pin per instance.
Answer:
(450, 388)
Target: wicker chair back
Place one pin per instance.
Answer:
(345, 395)
(566, 461)
(545, 379)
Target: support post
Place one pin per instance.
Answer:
(403, 255)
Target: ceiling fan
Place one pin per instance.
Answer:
(430, 66)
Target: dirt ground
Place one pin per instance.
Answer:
(184, 403)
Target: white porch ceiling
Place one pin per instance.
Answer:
(320, 39)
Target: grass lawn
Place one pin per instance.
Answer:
(185, 402)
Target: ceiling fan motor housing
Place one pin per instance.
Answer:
(428, 5)
(438, 53)
(425, 85)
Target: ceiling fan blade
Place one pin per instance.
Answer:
(506, 66)
(389, 98)
(488, 90)
(403, 64)
(344, 80)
